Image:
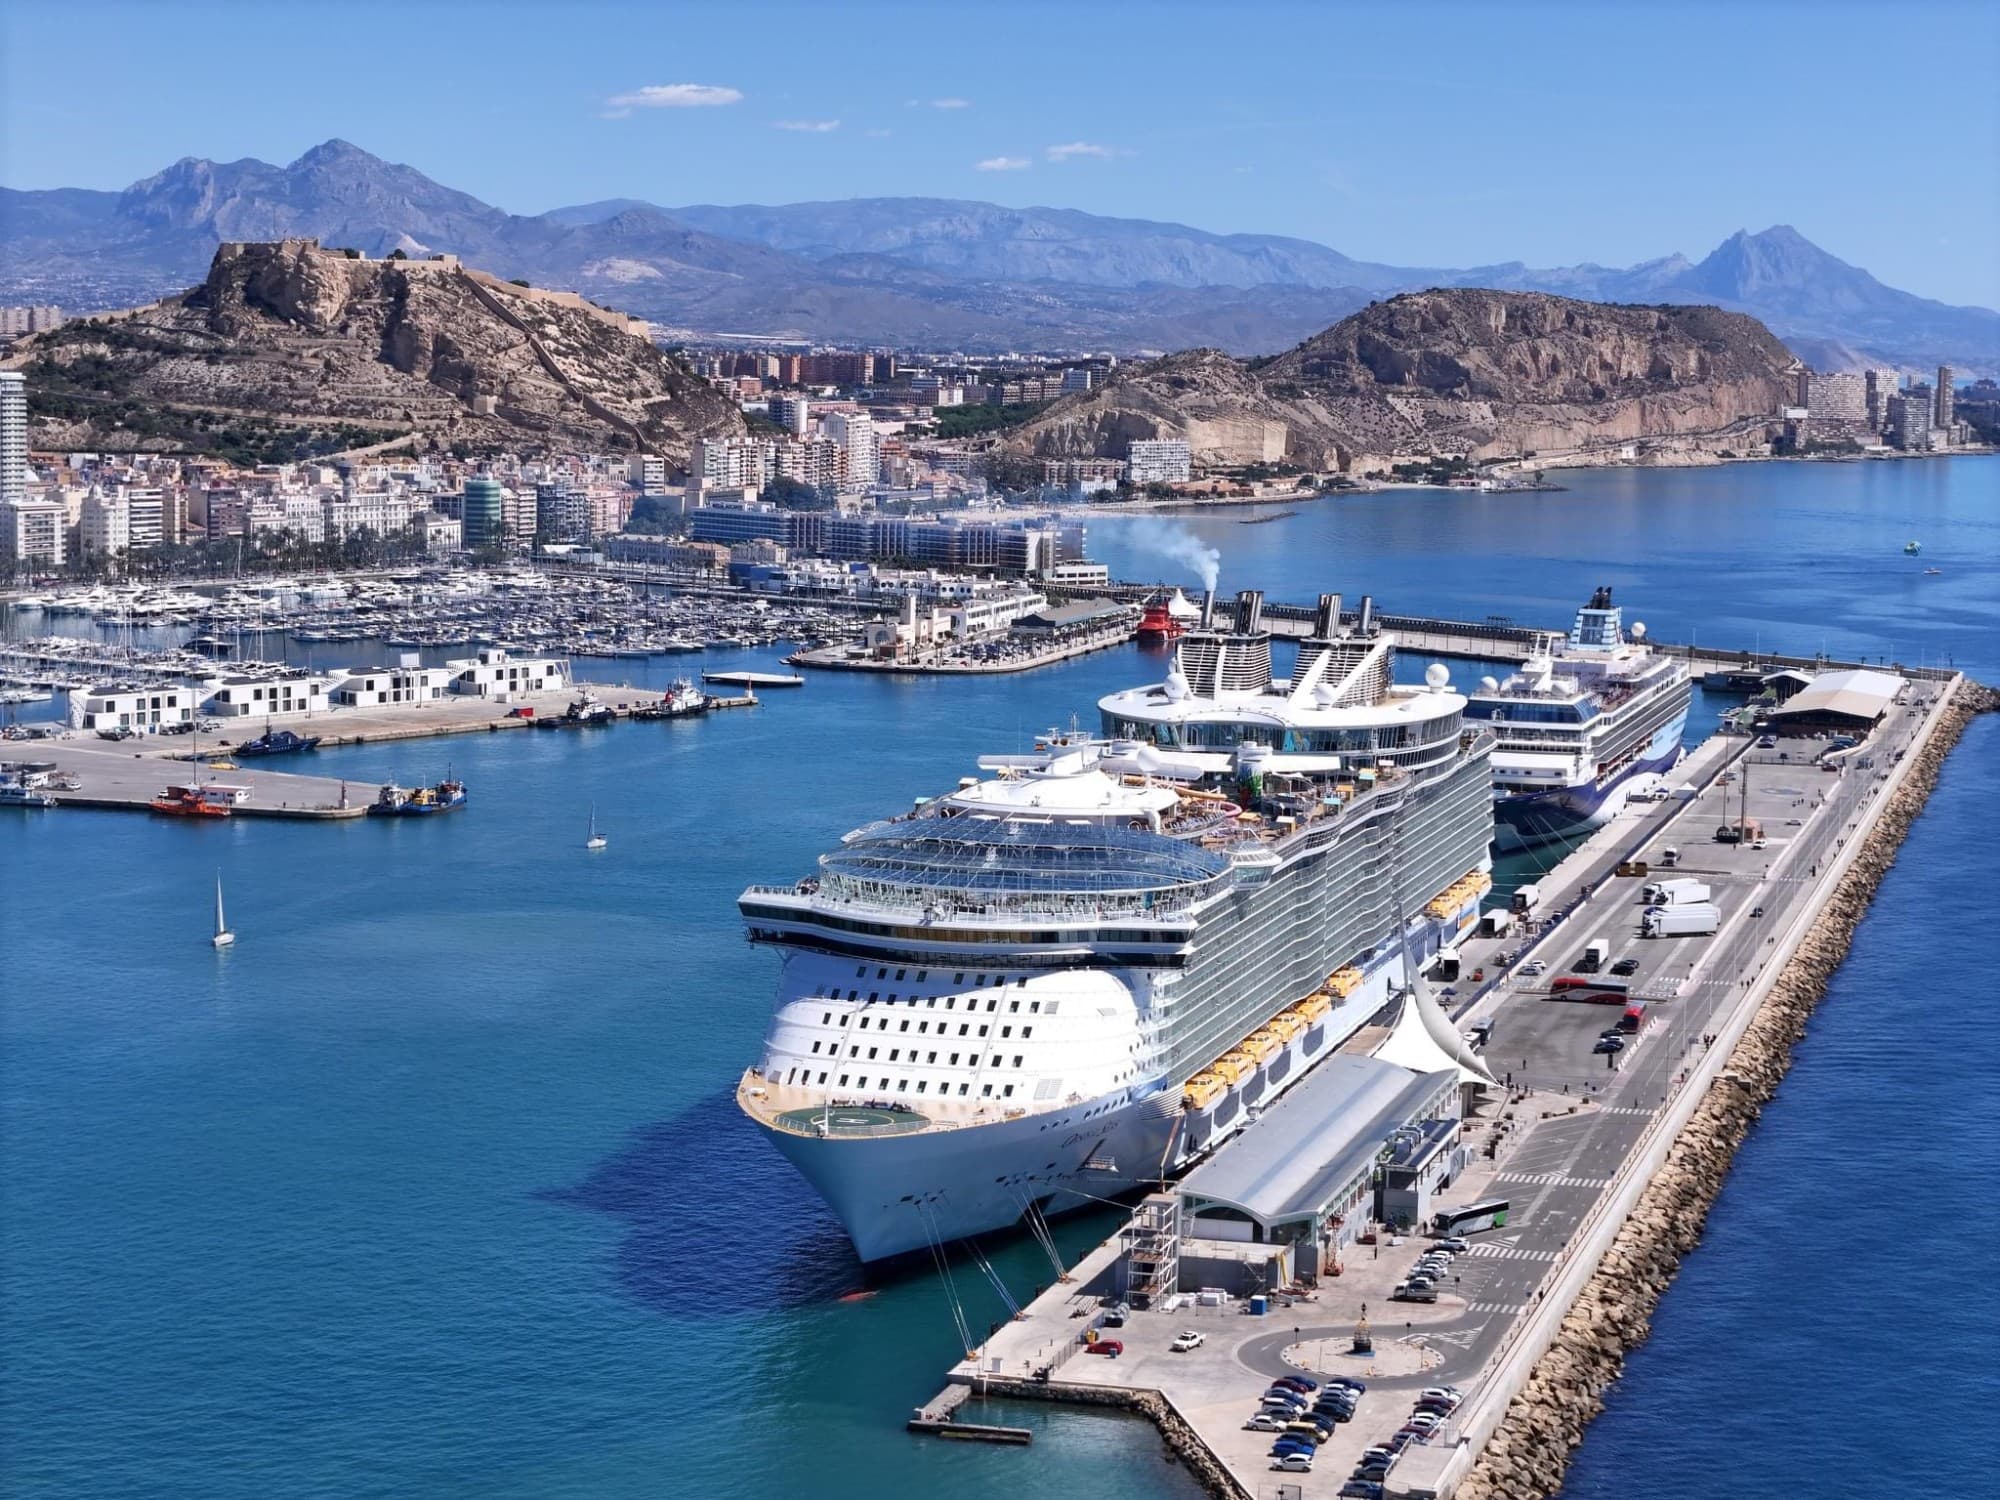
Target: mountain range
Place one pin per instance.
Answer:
(922, 272)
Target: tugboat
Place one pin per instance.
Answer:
(279, 742)
(421, 802)
(584, 712)
(682, 700)
(1163, 622)
(188, 802)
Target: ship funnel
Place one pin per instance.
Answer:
(1367, 614)
(1326, 623)
(1208, 609)
(1249, 611)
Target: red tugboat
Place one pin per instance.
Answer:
(1162, 624)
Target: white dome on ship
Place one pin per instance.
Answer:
(1437, 675)
(1489, 684)
(1638, 630)
(1177, 684)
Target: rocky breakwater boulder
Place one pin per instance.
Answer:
(1459, 372)
(1529, 1452)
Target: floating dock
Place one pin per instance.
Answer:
(1572, 1139)
(755, 680)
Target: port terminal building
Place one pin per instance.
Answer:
(1361, 1140)
(1850, 702)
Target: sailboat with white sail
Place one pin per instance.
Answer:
(223, 936)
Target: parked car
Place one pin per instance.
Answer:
(1297, 1382)
(1453, 1245)
(1296, 1463)
(1111, 1348)
(1372, 1473)
(1348, 1383)
(1361, 1489)
(1187, 1341)
(1534, 968)
(1263, 1422)
(1625, 966)
(1608, 1044)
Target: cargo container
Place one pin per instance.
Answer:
(1697, 919)
(1682, 892)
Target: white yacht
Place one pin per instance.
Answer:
(1587, 720)
(1066, 978)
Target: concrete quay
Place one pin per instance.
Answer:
(938, 664)
(1608, 1162)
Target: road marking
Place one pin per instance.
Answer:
(1506, 1309)
(1552, 1179)
(1511, 1252)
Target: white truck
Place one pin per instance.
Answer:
(1692, 919)
(1685, 891)
(1526, 899)
(1496, 922)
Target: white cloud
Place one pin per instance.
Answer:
(671, 96)
(1003, 164)
(951, 104)
(809, 127)
(1076, 149)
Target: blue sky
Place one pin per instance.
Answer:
(1414, 133)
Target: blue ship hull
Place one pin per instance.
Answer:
(1523, 820)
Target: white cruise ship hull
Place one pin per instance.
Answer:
(896, 1195)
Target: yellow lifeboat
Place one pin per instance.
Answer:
(1286, 1026)
(1202, 1090)
(1261, 1045)
(1313, 1007)
(1232, 1066)
(1344, 982)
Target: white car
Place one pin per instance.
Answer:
(1263, 1422)
(1187, 1341)
(1296, 1463)
(1532, 969)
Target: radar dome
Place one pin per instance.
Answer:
(1437, 674)
(1489, 684)
(1638, 631)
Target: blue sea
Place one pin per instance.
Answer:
(433, 1184)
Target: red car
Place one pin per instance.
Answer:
(1105, 1346)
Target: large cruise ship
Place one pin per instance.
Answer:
(1064, 979)
(1586, 721)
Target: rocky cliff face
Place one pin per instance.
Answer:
(1481, 374)
(286, 332)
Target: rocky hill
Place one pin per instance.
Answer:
(288, 349)
(1475, 374)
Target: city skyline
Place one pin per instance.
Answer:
(1338, 128)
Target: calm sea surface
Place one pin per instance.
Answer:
(433, 1184)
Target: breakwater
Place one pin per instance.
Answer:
(1529, 1452)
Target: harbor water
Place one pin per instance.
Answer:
(433, 1183)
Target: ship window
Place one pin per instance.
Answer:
(921, 1085)
(1006, 1031)
(902, 1085)
(986, 1091)
(904, 1027)
(954, 1059)
(881, 973)
(1007, 1092)
(843, 1080)
(815, 1046)
(1013, 1005)
(921, 1026)
(963, 1087)
(871, 1054)
(901, 972)
(963, 1029)
(822, 1078)
(873, 996)
(1017, 1059)
(951, 1004)
(788, 1074)
(826, 1018)
(854, 994)
(992, 1005)
(983, 1030)
(931, 1004)
(1034, 1007)
(922, 975)
(1021, 983)
(860, 973)
(895, 1054)
(1026, 1032)
(845, 1019)
(959, 977)
(930, 1057)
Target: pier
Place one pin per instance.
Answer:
(1607, 1161)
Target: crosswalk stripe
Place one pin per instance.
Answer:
(1552, 1179)
(1509, 1309)
(1511, 1252)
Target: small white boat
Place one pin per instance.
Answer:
(223, 936)
(596, 839)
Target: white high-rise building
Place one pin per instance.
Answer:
(791, 413)
(105, 529)
(1158, 461)
(31, 531)
(855, 433)
(13, 436)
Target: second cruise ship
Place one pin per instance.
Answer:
(1587, 720)
(1062, 980)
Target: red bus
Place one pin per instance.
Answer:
(1590, 989)
(1634, 1018)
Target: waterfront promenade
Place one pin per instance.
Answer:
(1576, 1138)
